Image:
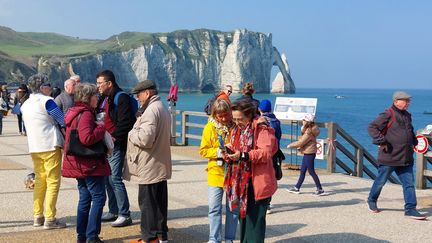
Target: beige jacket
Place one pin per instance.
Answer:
(307, 142)
(148, 156)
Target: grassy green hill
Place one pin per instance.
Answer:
(27, 44)
(19, 51)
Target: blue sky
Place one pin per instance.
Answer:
(332, 43)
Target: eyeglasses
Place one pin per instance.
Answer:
(229, 92)
(100, 83)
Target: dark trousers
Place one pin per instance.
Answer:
(253, 227)
(153, 203)
(308, 164)
(21, 126)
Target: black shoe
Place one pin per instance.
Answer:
(106, 217)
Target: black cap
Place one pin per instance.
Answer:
(143, 85)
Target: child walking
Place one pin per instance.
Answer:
(307, 146)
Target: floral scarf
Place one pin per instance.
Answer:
(239, 172)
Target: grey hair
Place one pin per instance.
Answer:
(35, 82)
(84, 92)
(67, 82)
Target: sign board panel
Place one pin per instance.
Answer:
(422, 145)
(289, 108)
(320, 149)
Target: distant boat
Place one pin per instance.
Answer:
(339, 97)
(427, 112)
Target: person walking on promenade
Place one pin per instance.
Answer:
(118, 121)
(250, 179)
(248, 90)
(216, 133)
(4, 104)
(65, 99)
(89, 172)
(149, 162)
(394, 134)
(43, 120)
(225, 93)
(265, 111)
(21, 95)
(307, 145)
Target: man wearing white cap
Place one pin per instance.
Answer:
(394, 134)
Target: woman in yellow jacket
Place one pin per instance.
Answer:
(216, 133)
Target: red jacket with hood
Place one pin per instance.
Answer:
(89, 133)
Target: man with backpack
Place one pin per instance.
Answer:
(266, 111)
(119, 118)
(394, 134)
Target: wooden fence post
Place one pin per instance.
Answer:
(185, 129)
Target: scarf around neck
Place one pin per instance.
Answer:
(239, 172)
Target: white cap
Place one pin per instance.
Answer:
(309, 117)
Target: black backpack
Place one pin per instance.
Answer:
(208, 106)
(278, 157)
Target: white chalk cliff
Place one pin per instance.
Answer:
(198, 60)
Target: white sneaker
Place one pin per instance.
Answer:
(122, 221)
(269, 209)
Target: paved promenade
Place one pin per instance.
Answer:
(341, 216)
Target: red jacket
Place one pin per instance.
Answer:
(263, 174)
(89, 133)
(265, 145)
(223, 96)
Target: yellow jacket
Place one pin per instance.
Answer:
(208, 149)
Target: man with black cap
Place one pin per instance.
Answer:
(118, 120)
(149, 162)
(394, 134)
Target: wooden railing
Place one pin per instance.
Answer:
(423, 174)
(343, 151)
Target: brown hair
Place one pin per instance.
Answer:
(307, 126)
(248, 89)
(246, 107)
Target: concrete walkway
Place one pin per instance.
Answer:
(341, 216)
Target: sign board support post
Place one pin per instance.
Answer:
(359, 165)
(331, 156)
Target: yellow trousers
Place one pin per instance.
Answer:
(47, 168)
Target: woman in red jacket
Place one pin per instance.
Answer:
(89, 171)
(250, 178)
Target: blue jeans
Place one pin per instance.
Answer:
(308, 164)
(1, 122)
(118, 201)
(406, 177)
(215, 195)
(92, 199)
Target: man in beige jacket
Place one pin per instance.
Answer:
(149, 162)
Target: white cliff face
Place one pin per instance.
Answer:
(283, 82)
(191, 59)
(278, 82)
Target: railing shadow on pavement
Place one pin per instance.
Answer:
(333, 237)
(315, 204)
